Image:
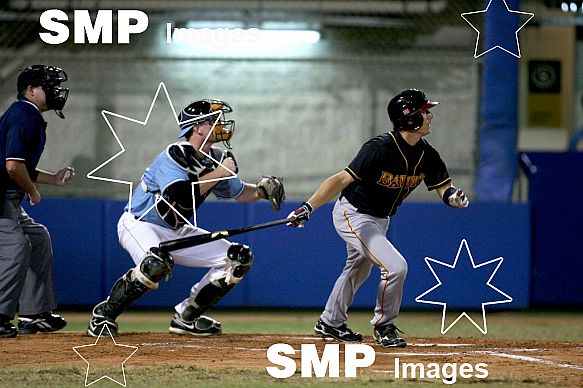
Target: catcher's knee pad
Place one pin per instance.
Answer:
(240, 259)
(157, 265)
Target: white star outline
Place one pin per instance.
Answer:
(104, 113)
(89, 365)
(439, 283)
(497, 46)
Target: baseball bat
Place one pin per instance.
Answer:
(191, 241)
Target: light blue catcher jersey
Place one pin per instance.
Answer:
(165, 170)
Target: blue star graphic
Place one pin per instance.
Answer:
(505, 20)
(466, 283)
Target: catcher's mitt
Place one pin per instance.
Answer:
(271, 188)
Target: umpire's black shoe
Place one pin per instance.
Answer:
(341, 333)
(44, 323)
(7, 330)
(99, 324)
(201, 326)
(388, 336)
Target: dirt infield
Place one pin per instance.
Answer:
(538, 362)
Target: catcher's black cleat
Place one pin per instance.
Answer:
(99, 323)
(201, 326)
(7, 330)
(388, 336)
(44, 323)
(99, 326)
(341, 333)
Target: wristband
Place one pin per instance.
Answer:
(308, 206)
(448, 193)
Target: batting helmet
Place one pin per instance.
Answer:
(404, 109)
(208, 110)
(50, 78)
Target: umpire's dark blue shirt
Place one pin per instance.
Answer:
(22, 137)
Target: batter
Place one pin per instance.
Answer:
(385, 171)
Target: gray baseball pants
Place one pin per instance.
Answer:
(367, 246)
(26, 263)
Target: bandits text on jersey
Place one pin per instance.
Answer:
(398, 181)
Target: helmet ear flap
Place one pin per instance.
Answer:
(405, 116)
(413, 122)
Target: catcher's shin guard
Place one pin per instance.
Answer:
(239, 263)
(207, 297)
(123, 293)
(156, 266)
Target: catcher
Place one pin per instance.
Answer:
(179, 180)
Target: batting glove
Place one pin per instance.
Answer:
(300, 215)
(458, 199)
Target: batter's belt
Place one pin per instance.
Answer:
(369, 213)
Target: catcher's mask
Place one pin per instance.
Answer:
(208, 110)
(50, 78)
(405, 109)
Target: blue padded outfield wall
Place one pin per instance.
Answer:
(296, 267)
(556, 184)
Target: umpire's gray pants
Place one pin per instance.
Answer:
(366, 245)
(26, 264)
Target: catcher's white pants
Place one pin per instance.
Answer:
(137, 237)
(367, 246)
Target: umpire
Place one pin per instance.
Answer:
(26, 272)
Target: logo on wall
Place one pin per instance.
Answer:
(544, 76)
(545, 102)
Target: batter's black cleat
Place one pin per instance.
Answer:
(7, 330)
(201, 326)
(99, 324)
(341, 333)
(44, 323)
(388, 336)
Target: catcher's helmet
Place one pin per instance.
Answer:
(404, 109)
(50, 78)
(208, 110)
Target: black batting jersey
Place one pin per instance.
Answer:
(387, 169)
